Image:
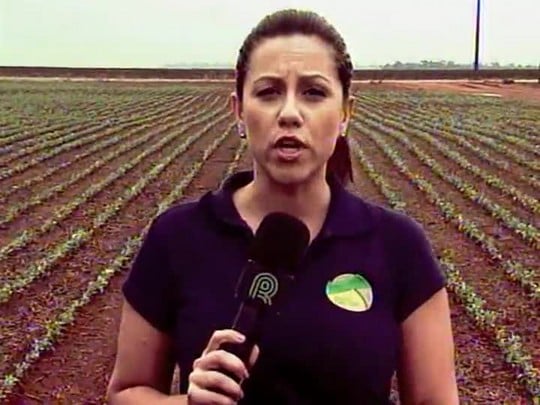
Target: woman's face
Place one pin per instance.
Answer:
(292, 108)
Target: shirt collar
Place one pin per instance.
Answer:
(348, 214)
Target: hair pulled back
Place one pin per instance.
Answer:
(293, 21)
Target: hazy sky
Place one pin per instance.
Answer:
(154, 33)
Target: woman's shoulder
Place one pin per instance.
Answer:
(386, 219)
(179, 216)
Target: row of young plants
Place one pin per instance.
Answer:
(524, 141)
(31, 142)
(478, 119)
(518, 157)
(28, 235)
(77, 139)
(480, 152)
(78, 237)
(514, 270)
(526, 231)
(485, 318)
(136, 123)
(82, 107)
(492, 180)
(11, 123)
(18, 208)
(97, 148)
(497, 120)
(55, 327)
(233, 165)
(24, 137)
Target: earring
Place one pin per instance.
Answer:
(342, 129)
(241, 130)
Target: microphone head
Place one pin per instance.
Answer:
(280, 241)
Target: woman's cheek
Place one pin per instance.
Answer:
(327, 137)
(255, 126)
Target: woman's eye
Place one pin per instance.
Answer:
(266, 92)
(316, 92)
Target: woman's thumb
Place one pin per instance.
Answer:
(254, 356)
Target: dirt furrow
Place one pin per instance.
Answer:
(26, 137)
(57, 157)
(482, 375)
(424, 139)
(480, 120)
(523, 159)
(105, 106)
(494, 194)
(506, 238)
(519, 312)
(472, 118)
(20, 149)
(512, 172)
(71, 274)
(160, 128)
(41, 237)
(96, 325)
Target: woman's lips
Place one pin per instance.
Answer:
(288, 148)
(288, 154)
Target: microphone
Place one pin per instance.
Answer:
(279, 245)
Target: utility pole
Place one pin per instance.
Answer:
(477, 42)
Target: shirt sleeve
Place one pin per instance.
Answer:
(149, 285)
(419, 273)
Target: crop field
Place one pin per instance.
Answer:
(85, 167)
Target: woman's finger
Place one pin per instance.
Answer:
(222, 360)
(221, 336)
(216, 382)
(254, 356)
(197, 395)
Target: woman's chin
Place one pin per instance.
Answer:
(289, 175)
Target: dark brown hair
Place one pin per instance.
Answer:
(292, 21)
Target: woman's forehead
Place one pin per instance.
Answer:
(292, 55)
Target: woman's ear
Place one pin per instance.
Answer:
(236, 106)
(347, 113)
(348, 107)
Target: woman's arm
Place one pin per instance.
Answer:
(426, 371)
(143, 368)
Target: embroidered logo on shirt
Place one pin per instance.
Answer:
(351, 292)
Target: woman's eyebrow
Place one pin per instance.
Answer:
(304, 77)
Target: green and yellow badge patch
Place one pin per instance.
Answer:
(351, 292)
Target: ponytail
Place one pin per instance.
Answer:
(340, 163)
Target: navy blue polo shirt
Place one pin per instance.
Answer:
(335, 339)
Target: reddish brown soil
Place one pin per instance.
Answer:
(488, 280)
(514, 173)
(87, 332)
(517, 91)
(494, 194)
(482, 375)
(65, 158)
(161, 126)
(34, 127)
(78, 369)
(67, 280)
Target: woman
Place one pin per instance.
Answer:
(326, 344)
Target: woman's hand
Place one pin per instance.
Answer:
(207, 385)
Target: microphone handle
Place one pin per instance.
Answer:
(248, 322)
(242, 351)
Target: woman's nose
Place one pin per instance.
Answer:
(290, 114)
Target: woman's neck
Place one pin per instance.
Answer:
(309, 202)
